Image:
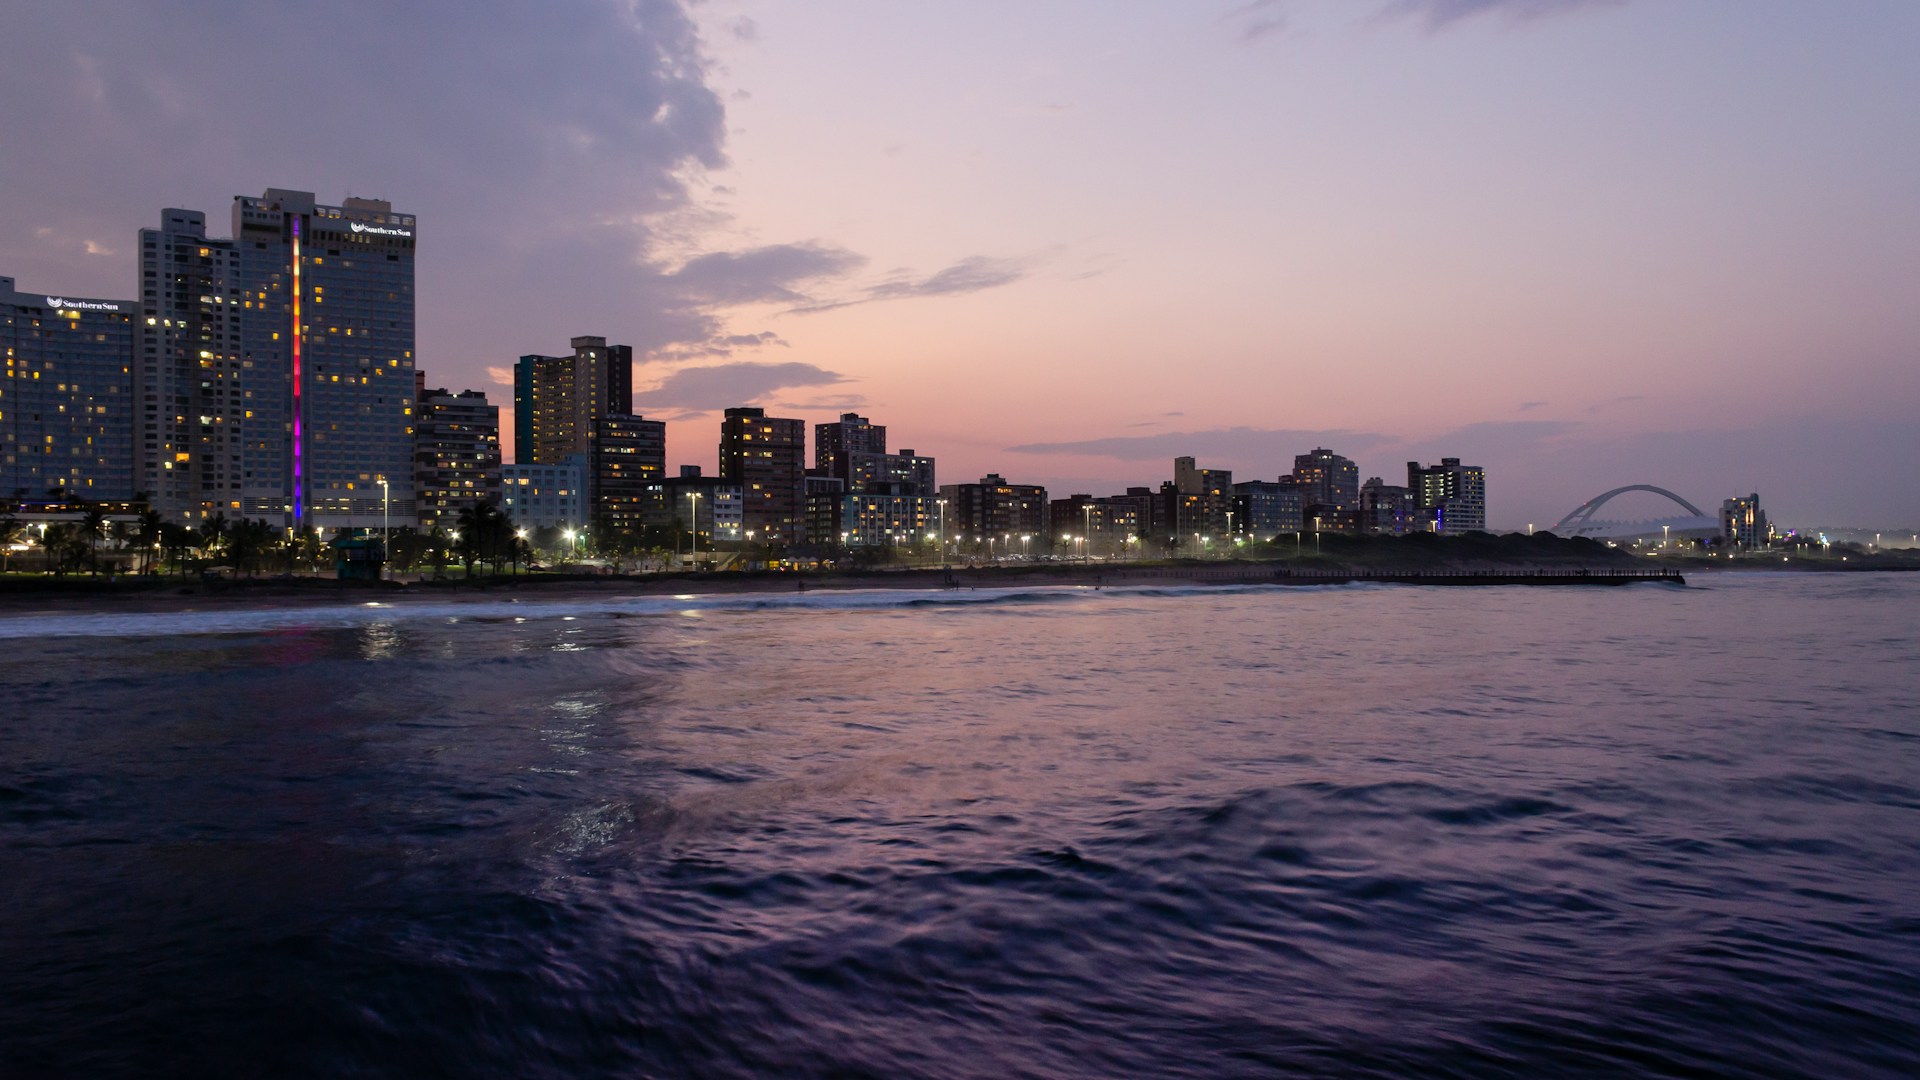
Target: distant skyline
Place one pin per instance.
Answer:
(1581, 243)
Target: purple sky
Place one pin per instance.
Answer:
(1582, 243)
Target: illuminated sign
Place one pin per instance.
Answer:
(57, 303)
(379, 230)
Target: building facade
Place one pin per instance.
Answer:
(996, 510)
(456, 454)
(555, 398)
(275, 370)
(766, 456)
(551, 496)
(872, 520)
(67, 403)
(712, 508)
(198, 435)
(1329, 483)
(1387, 509)
(333, 309)
(1451, 498)
(1743, 523)
(626, 462)
(1202, 500)
(1270, 507)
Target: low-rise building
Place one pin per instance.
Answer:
(1387, 509)
(545, 495)
(1270, 507)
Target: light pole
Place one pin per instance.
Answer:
(386, 556)
(573, 549)
(694, 497)
(1086, 516)
(942, 504)
(1229, 528)
(1026, 544)
(1665, 532)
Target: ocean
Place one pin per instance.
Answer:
(1353, 831)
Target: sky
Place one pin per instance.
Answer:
(1581, 243)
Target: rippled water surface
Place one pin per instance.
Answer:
(1369, 831)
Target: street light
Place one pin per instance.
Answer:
(1665, 531)
(1026, 544)
(386, 556)
(694, 496)
(1086, 515)
(942, 504)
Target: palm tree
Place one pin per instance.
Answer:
(246, 541)
(306, 546)
(10, 531)
(176, 541)
(93, 525)
(213, 534)
(147, 535)
(67, 542)
(486, 534)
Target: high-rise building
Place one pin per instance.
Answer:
(996, 509)
(66, 398)
(1328, 482)
(1450, 497)
(555, 398)
(199, 433)
(1201, 500)
(766, 456)
(1742, 522)
(275, 370)
(851, 434)
(456, 454)
(333, 308)
(855, 450)
(626, 462)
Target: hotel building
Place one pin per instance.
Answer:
(275, 370)
(66, 396)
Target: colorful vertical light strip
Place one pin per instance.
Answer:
(299, 485)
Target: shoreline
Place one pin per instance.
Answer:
(135, 596)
